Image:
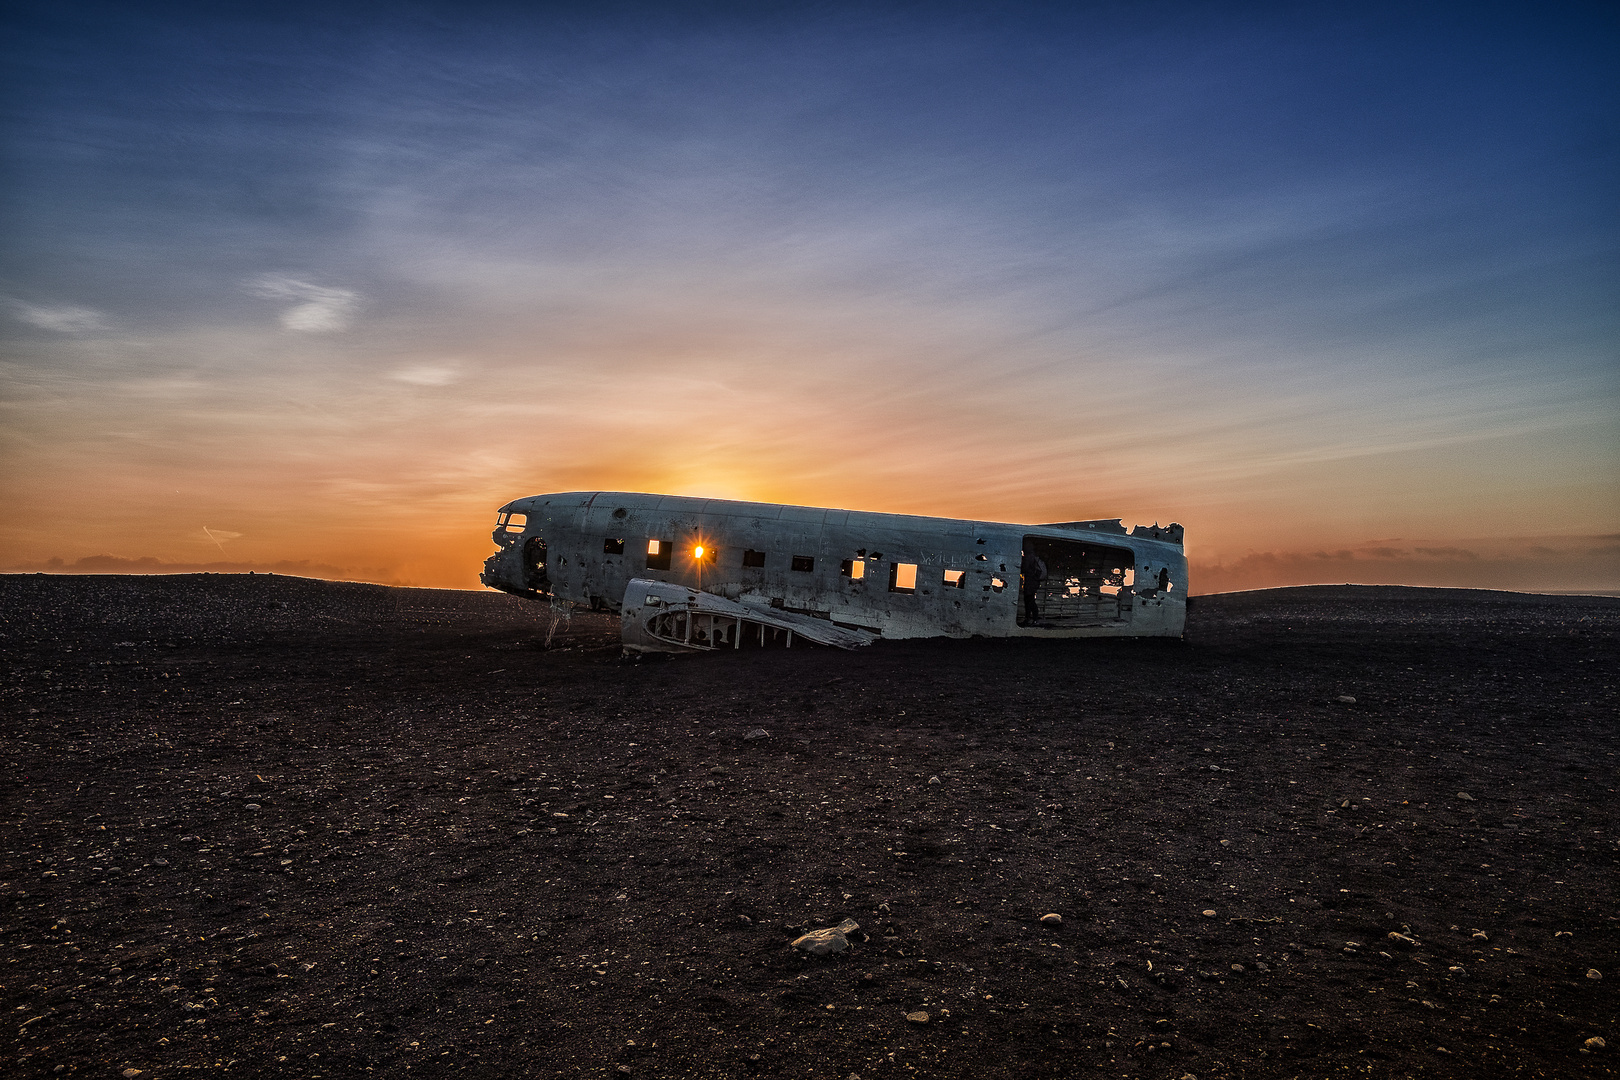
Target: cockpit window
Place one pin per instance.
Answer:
(513, 523)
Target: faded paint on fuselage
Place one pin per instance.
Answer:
(585, 547)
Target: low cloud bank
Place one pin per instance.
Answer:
(116, 564)
(1536, 564)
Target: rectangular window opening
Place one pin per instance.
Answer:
(613, 547)
(804, 564)
(903, 577)
(754, 558)
(956, 579)
(658, 554)
(854, 569)
(512, 523)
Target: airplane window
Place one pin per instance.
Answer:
(613, 547)
(855, 569)
(956, 579)
(903, 577)
(754, 558)
(658, 554)
(804, 563)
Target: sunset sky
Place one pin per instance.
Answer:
(318, 288)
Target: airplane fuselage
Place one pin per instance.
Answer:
(895, 575)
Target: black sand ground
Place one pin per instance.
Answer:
(263, 826)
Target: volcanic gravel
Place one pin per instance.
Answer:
(258, 826)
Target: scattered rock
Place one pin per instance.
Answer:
(1594, 973)
(1346, 699)
(1238, 968)
(1402, 940)
(933, 780)
(558, 813)
(756, 733)
(1481, 935)
(1595, 1043)
(128, 1074)
(1465, 797)
(1052, 919)
(833, 939)
(250, 806)
(1208, 913)
(918, 1017)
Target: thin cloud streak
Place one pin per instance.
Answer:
(59, 318)
(319, 309)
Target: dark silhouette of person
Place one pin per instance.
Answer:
(1033, 571)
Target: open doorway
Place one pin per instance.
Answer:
(1086, 584)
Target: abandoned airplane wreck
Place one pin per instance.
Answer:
(689, 574)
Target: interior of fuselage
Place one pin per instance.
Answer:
(1085, 584)
(534, 565)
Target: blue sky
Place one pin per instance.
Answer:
(1295, 276)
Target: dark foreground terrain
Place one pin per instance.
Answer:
(272, 827)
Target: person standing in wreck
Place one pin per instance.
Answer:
(1033, 571)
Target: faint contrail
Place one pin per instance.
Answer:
(216, 541)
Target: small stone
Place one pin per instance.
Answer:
(1481, 935)
(558, 813)
(1402, 940)
(1595, 1043)
(250, 806)
(1238, 968)
(1594, 973)
(1465, 797)
(756, 733)
(918, 1017)
(1052, 919)
(933, 780)
(1346, 699)
(833, 939)
(1208, 913)
(128, 1074)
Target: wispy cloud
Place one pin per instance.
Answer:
(62, 318)
(317, 308)
(428, 374)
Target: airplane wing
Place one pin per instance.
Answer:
(660, 617)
